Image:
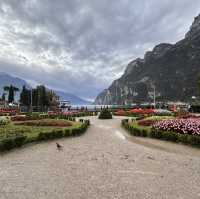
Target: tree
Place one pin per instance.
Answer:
(6, 89)
(3, 97)
(25, 97)
(11, 92)
(40, 98)
(52, 100)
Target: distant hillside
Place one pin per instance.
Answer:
(173, 69)
(72, 98)
(6, 80)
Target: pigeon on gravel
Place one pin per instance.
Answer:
(59, 147)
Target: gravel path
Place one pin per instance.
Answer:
(105, 163)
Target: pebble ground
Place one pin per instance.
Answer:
(104, 163)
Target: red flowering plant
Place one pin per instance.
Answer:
(140, 111)
(146, 122)
(18, 118)
(121, 113)
(8, 111)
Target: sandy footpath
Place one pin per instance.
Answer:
(104, 163)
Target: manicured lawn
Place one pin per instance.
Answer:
(30, 131)
(16, 134)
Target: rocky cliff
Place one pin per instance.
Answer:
(172, 69)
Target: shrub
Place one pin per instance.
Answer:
(67, 132)
(50, 135)
(195, 108)
(20, 140)
(76, 131)
(12, 142)
(7, 144)
(105, 114)
(44, 136)
(4, 120)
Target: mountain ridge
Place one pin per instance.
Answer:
(172, 68)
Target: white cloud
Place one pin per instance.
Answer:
(82, 46)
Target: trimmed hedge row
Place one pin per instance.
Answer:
(12, 142)
(20, 139)
(193, 140)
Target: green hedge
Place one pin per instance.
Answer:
(163, 135)
(64, 133)
(12, 142)
(18, 139)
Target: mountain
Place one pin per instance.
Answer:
(72, 98)
(172, 69)
(6, 80)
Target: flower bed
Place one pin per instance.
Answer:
(120, 113)
(142, 111)
(8, 111)
(183, 126)
(46, 122)
(162, 131)
(146, 122)
(19, 118)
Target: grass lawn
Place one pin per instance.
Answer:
(13, 133)
(31, 132)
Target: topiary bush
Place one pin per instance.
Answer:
(105, 114)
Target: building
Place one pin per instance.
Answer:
(64, 105)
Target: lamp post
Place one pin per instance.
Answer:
(31, 109)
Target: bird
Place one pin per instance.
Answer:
(59, 147)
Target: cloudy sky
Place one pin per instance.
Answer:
(81, 46)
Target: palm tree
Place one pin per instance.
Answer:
(11, 92)
(6, 89)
